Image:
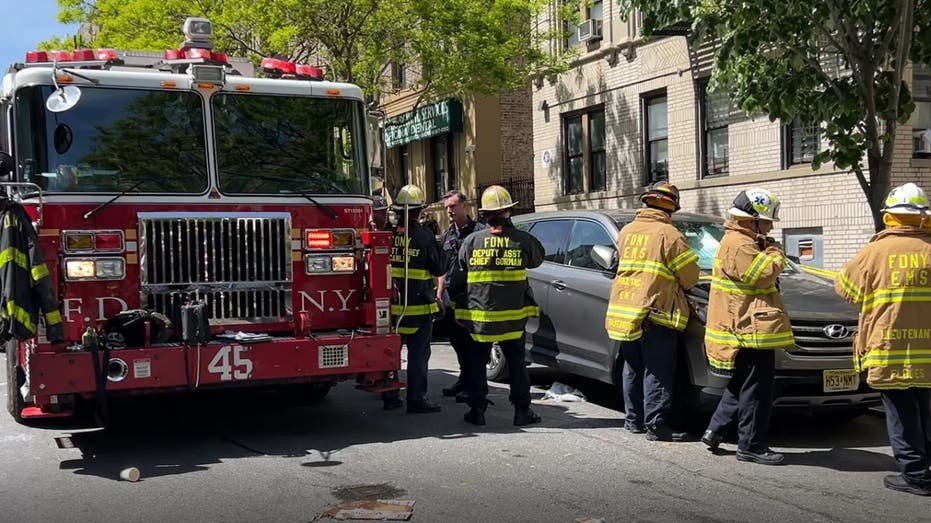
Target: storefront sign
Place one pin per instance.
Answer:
(424, 122)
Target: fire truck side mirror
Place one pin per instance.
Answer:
(376, 143)
(6, 167)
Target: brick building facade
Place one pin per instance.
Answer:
(492, 144)
(631, 111)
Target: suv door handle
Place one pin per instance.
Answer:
(559, 284)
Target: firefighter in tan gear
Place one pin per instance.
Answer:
(746, 320)
(415, 263)
(648, 309)
(890, 279)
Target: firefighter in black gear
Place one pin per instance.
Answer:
(493, 301)
(461, 225)
(415, 263)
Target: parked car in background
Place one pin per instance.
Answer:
(572, 290)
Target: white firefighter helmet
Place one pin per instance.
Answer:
(755, 203)
(410, 196)
(906, 199)
(496, 198)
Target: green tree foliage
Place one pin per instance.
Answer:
(463, 46)
(835, 63)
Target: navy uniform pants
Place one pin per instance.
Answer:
(908, 421)
(418, 359)
(477, 386)
(649, 376)
(748, 398)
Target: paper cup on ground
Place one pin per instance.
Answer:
(130, 474)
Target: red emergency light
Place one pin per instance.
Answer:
(219, 57)
(33, 57)
(173, 54)
(108, 241)
(106, 54)
(273, 65)
(59, 56)
(82, 55)
(197, 52)
(319, 239)
(309, 72)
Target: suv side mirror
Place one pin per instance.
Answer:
(605, 257)
(6, 167)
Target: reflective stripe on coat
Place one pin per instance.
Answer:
(424, 264)
(745, 309)
(890, 279)
(497, 299)
(27, 287)
(655, 267)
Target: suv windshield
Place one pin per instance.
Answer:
(113, 140)
(704, 238)
(289, 145)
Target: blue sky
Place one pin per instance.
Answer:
(26, 23)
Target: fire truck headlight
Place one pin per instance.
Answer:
(79, 269)
(110, 269)
(344, 263)
(95, 269)
(329, 263)
(317, 264)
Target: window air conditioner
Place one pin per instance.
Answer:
(590, 30)
(922, 140)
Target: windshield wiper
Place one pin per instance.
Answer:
(131, 188)
(325, 208)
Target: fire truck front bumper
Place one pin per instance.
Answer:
(372, 360)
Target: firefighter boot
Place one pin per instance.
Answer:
(525, 416)
(476, 414)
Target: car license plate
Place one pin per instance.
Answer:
(841, 380)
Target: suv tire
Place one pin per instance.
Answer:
(497, 367)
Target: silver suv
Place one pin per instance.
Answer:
(572, 288)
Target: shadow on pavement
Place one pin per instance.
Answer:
(844, 460)
(180, 434)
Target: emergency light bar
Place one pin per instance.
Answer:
(276, 68)
(84, 56)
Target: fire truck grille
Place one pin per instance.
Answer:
(240, 264)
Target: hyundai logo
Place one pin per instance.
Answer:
(836, 331)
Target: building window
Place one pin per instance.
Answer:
(585, 152)
(570, 28)
(657, 134)
(444, 177)
(596, 10)
(921, 120)
(803, 142)
(575, 157)
(398, 76)
(716, 111)
(404, 162)
(597, 159)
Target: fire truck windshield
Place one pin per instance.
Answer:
(286, 144)
(113, 140)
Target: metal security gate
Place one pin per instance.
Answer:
(521, 189)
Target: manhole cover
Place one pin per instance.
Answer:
(362, 492)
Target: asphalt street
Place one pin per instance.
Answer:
(248, 456)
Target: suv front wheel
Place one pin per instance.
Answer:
(497, 367)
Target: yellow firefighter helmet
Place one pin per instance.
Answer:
(496, 198)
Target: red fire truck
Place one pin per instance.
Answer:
(202, 228)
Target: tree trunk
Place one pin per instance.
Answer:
(879, 187)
